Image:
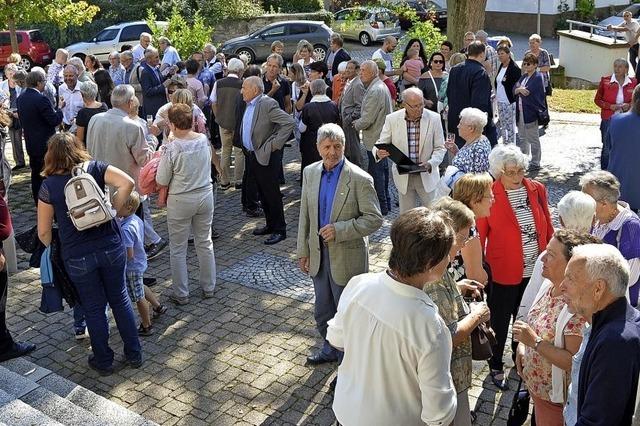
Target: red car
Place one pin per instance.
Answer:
(32, 47)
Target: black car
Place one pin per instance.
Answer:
(426, 10)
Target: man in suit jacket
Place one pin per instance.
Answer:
(470, 86)
(262, 131)
(417, 132)
(154, 91)
(349, 105)
(376, 104)
(338, 211)
(40, 119)
(336, 56)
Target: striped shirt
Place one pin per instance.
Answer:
(522, 208)
(413, 139)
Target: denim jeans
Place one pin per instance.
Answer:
(79, 323)
(380, 173)
(99, 279)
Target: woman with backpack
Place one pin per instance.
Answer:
(94, 257)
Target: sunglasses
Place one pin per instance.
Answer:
(437, 61)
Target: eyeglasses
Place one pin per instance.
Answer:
(512, 173)
(437, 61)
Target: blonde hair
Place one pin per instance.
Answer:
(472, 187)
(457, 58)
(132, 204)
(460, 215)
(14, 58)
(182, 96)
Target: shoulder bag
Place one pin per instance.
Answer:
(483, 339)
(519, 406)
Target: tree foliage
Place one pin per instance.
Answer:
(187, 37)
(217, 11)
(61, 13)
(425, 31)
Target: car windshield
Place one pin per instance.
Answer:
(107, 35)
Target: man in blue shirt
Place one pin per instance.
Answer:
(338, 211)
(594, 287)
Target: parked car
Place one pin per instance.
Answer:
(110, 39)
(257, 45)
(366, 24)
(33, 49)
(617, 20)
(426, 10)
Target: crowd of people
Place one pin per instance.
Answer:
(474, 246)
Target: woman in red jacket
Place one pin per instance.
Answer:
(515, 233)
(613, 97)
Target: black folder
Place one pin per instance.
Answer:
(403, 163)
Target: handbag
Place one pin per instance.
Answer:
(519, 406)
(483, 339)
(543, 117)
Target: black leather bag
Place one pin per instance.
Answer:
(519, 406)
(543, 117)
(483, 339)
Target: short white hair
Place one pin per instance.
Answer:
(412, 91)
(77, 63)
(143, 35)
(150, 51)
(122, 95)
(89, 90)
(235, 66)
(330, 131)
(576, 210)
(62, 51)
(604, 262)
(209, 46)
(256, 82)
(114, 54)
(604, 185)
(342, 66)
(318, 87)
(535, 37)
(504, 155)
(474, 118)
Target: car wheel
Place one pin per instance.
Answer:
(26, 63)
(364, 38)
(247, 52)
(319, 52)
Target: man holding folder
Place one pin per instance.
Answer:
(417, 133)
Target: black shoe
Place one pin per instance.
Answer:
(254, 213)
(275, 238)
(102, 371)
(224, 187)
(238, 186)
(265, 230)
(135, 363)
(17, 350)
(149, 282)
(153, 250)
(332, 385)
(160, 310)
(145, 331)
(214, 234)
(18, 167)
(319, 358)
(499, 379)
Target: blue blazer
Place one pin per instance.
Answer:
(154, 94)
(469, 86)
(533, 103)
(39, 120)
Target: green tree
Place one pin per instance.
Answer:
(187, 37)
(59, 12)
(217, 11)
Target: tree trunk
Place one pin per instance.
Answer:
(464, 15)
(11, 23)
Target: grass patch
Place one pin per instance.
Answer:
(565, 100)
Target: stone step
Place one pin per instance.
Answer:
(15, 412)
(61, 399)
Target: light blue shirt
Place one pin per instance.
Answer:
(571, 408)
(247, 120)
(170, 56)
(133, 237)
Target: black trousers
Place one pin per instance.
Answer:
(250, 197)
(36, 164)
(503, 301)
(6, 342)
(267, 181)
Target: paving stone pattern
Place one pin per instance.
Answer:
(239, 358)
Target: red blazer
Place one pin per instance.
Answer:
(608, 92)
(500, 232)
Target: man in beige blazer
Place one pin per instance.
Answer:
(338, 211)
(417, 132)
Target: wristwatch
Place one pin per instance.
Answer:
(538, 340)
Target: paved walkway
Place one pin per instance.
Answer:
(239, 358)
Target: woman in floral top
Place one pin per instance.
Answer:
(461, 319)
(544, 357)
(473, 156)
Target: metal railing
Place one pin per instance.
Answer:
(591, 28)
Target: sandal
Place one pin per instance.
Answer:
(159, 311)
(498, 379)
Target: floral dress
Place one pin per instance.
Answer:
(473, 157)
(542, 318)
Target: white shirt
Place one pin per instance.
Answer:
(138, 53)
(620, 95)
(72, 103)
(170, 56)
(501, 94)
(397, 353)
(386, 57)
(632, 29)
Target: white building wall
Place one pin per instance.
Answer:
(547, 7)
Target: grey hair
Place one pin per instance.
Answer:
(605, 186)
(342, 66)
(277, 57)
(38, 70)
(535, 37)
(65, 52)
(604, 262)
(474, 118)
(114, 54)
(150, 51)
(127, 53)
(255, 81)
(145, 35)
(122, 95)
(235, 66)
(413, 91)
(164, 39)
(503, 155)
(576, 210)
(621, 61)
(89, 90)
(330, 131)
(77, 63)
(370, 64)
(35, 77)
(318, 87)
(211, 47)
(481, 34)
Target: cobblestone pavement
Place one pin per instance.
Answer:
(239, 358)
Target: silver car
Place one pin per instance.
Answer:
(366, 24)
(617, 20)
(110, 39)
(257, 45)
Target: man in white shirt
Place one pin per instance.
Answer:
(170, 55)
(386, 54)
(70, 92)
(138, 50)
(397, 349)
(631, 29)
